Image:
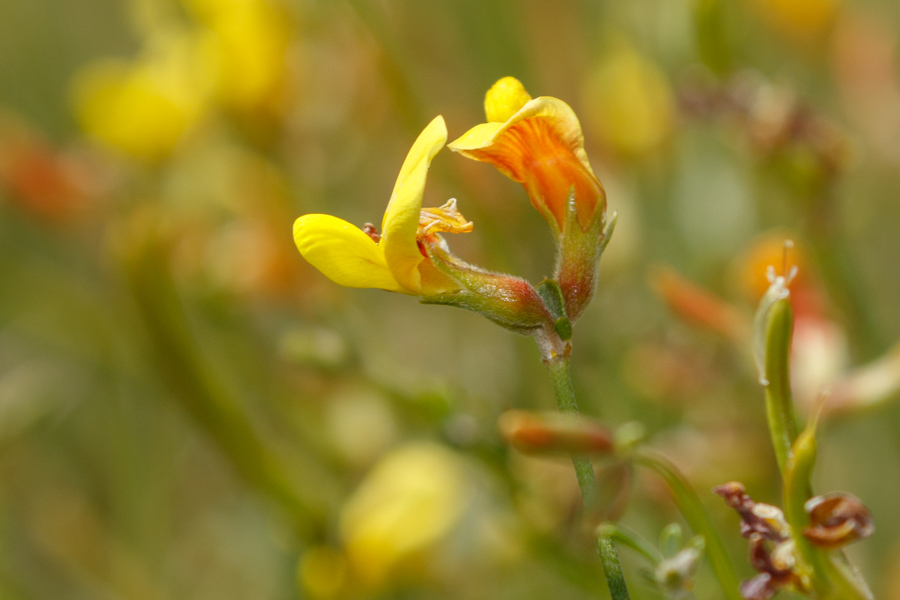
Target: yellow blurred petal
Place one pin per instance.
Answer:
(631, 104)
(504, 99)
(322, 572)
(343, 253)
(248, 49)
(143, 108)
(401, 219)
(408, 503)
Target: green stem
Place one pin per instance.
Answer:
(797, 456)
(779, 403)
(208, 401)
(696, 516)
(612, 568)
(558, 366)
(623, 535)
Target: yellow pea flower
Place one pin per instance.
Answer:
(247, 45)
(409, 503)
(537, 142)
(631, 105)
(147, 107)
(393, 261)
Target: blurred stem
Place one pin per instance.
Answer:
(779, 403)
(623, 535)
(210, 403)
(558, 366)
(842, 278)
(696, 516)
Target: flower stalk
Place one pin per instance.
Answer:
(558, 367)
(798, 555)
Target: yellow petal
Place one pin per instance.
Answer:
(343, 253)
(406, 506)
(542, 147)
(560, 118)
(401, 219)
(504, 99)
(480, 136)
(630, 103)
(144, 108)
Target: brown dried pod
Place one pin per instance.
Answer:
(837, 519)
(756, 518)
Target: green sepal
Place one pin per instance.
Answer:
(552, 295)
(563, 328)
(506, 300)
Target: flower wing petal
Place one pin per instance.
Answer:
(401, 219)
(480, 136)
(343, 253)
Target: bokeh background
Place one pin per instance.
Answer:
(188, 410)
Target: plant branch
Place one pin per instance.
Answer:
(558, 366)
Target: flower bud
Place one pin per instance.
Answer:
(554, 433)
(675, 574)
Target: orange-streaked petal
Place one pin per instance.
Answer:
(504, 99)
(401, 219)
(343, 253)
(542, 147)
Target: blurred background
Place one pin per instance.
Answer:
(189, 410)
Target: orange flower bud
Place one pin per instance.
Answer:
(553, 433)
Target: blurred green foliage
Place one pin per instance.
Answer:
(188, 410)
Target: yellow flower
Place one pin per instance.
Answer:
(537, 142)
(147, 107)
(246, 44)
(410, 502)
(630, 103)
(395, 262)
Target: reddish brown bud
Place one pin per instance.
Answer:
(837, 519)
(553, 433)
